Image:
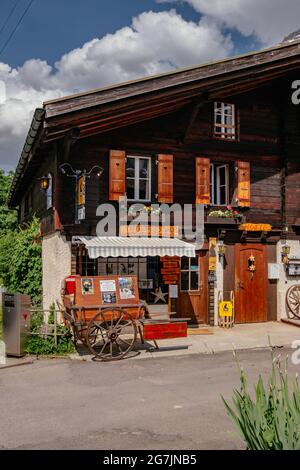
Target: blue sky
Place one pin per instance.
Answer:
(54, 27)
(66, 46)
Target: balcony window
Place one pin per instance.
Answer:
(219, 184)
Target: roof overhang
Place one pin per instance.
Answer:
(128, 103)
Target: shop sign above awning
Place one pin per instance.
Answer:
(134, 247)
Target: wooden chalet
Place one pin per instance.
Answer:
(221, 134)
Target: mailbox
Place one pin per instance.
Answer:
(16, 323)
(293, 269)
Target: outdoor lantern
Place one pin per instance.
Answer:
(44, 183)
(285, 251)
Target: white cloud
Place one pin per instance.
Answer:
(154, 43)
(270, 20)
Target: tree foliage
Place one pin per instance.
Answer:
(20, 249)
(21, 260)
(8, 218)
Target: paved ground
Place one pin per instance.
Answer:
(250, 336)
(162, 403)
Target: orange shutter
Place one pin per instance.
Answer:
(165, 178)
(117, 183)
(202, 180)
(243, 184)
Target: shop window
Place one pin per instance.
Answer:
(224, 121)
(125, 266)
(219, 184)
(138, 178)
(189, 274)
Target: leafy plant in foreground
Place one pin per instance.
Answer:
(270, 421)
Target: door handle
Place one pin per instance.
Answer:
(239, 285)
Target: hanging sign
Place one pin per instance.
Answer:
(149, 230)
(170, 270)
(81, 198)
(256, 227)
(173, 291)
(212, 254)
(226, 309)
(81, 191)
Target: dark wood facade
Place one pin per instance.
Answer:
(180, 126)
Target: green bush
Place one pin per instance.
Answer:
(41, 344)
(270, 421)
(21, 261)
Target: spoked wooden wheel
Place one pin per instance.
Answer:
(111, 334)
(293, 300)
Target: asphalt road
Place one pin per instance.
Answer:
(161, 403)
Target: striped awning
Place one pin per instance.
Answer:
(134, 247)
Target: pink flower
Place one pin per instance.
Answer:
(229, 208)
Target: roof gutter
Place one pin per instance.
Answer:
(35, 126)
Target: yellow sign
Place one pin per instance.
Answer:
(256, 227)
(148, 231)
(81, 191)
(226, 309)
(212, 254)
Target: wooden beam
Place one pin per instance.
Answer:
(69, 139)
(193, 113)
(115, 122)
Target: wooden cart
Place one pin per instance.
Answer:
(110, 327)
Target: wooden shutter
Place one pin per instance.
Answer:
(202, 180)
(117, 179)
(243, 184)
(165, 178)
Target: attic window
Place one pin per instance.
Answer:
(224, 121)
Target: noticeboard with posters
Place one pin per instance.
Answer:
(106, 290)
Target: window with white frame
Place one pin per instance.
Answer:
(49, 192)
(219, 184)
(224, 121)
(189, 274)
(138, 178)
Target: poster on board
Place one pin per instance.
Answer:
(87, 286)
(126, 286)
(108, 291)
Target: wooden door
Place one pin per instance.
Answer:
(193, 304)
(250, 288)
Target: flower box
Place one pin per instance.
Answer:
(223, 220)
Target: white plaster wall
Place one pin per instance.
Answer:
(285, 281)
(56, 257)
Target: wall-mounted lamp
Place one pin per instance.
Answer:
(285, 251)
(79, 175)
(44, 183)
(222, 250)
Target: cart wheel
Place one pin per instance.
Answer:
(111, 334)
(293, 300)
